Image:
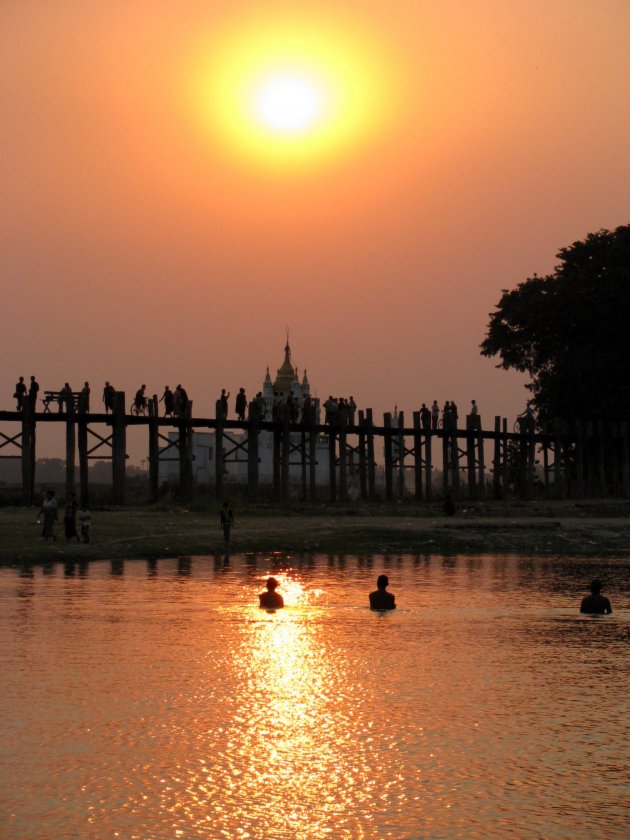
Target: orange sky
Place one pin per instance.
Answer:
(138, 246)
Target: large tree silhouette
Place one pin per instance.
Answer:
(570, 331)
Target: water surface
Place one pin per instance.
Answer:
(155, 700)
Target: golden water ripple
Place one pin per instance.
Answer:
(165, 705)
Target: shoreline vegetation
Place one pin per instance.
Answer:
(582, 528)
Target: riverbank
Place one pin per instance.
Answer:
(573, 528)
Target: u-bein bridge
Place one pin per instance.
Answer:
(577, 460)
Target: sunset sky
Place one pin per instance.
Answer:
(182, 181)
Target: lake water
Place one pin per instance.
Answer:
(155, 700)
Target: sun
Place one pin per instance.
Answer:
(288, 91)
(289, 103)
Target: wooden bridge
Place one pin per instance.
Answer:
(575, 460)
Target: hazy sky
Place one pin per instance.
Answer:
(150, 235)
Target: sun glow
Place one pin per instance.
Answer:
(289, 103)
(293, 91)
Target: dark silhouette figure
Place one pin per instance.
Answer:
(435, 414)
(227, 520)
(167, 399)
(425, 417)
(20, 393)
(85, 521)
(223, 404)
(241, 404)
(49, 514)
(595, 603)
(271, 600)
(32, 392)
(449, 504)
(381, 599)
(183, 401)
(65, 398)
(108, 397)
(140, 401)
(84, 399)
(70, 518)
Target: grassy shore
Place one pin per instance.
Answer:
(575, 528)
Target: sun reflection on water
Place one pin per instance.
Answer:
(295, 717)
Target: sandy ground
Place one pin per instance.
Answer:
(570, 528)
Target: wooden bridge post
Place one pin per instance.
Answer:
(119, 447)
(286, 454)
(454, 452)
(445, 461)
(371, 464)
(625, 459)
(154, 450)
(428, 466)
(312, 458)
(557, 460)
(387, 440)
(185, 454)
(303, 463)
(601, 463)
(343, 456)
(400, 440)
(277, 444)
(219, 465)
(579, 459)
(362, 458)
(481, 460)
(496, 459)
(332, 469)
(471, 468)
(28, 452)
(82, 434)
(70, 446)
(417, 456)
(505, 479)
(252, 456)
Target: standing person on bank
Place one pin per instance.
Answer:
(227, 520)
(49, 514)
(70, 518)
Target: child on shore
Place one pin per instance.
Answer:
(85, 521)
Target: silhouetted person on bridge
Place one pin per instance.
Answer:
(271, 600)
(241, 404)
(167, 399)
(425, 417)
(381, 599)
(223, 404)
(596, 603)
(20, 393)
(32, 392)
(108, 397)
(84, 399)
(435, 414)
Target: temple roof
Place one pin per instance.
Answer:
(286, 373)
